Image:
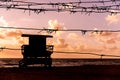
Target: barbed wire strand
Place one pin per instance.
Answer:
(66, 52)
(71, 7)
(83, 31)
(77, 2)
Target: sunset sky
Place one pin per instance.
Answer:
(106, 43)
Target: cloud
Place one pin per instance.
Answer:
(3, 22)
(105, 37)
(9, 36)
(111, 19)
(105, 42)
(55, 25)
(109, 42)
(13, 33)
(66, 41)
(61, 43)
(100, 42)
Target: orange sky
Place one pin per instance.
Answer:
(100, 43)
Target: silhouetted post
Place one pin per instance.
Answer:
(101, 58)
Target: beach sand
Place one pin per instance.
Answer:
(86, 72)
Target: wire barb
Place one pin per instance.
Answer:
(97, 6)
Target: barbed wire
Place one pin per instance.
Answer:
(86, 53)
(108, 6)
(112, 7)
(49, 31)
(66, 52)
(55, 30)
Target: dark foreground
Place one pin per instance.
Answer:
(87, 72)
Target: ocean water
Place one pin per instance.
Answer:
(13, 62)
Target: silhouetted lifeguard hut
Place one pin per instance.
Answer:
(36, 52)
